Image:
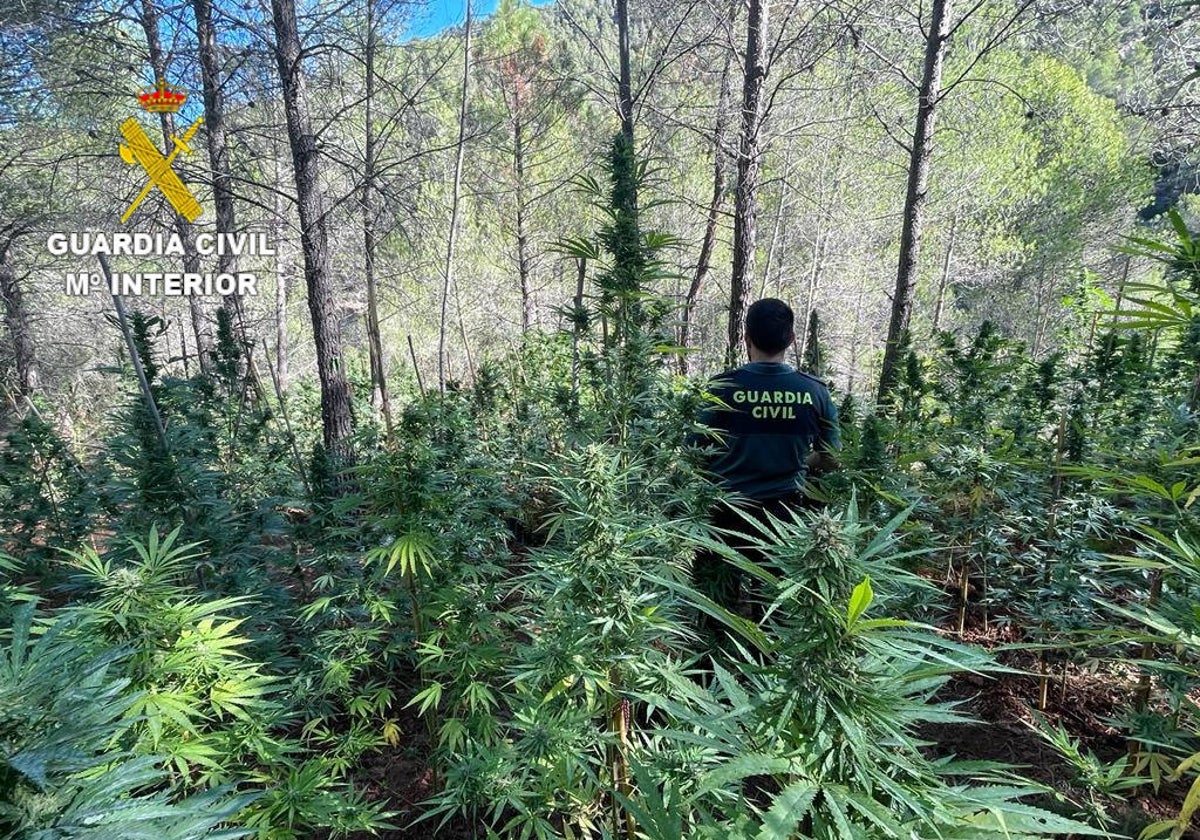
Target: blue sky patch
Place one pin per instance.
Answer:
(441, 14)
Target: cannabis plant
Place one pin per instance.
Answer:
(65, 713)
(811, 729)
(211, 711)
(45, 497)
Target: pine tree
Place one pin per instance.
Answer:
(814, 355)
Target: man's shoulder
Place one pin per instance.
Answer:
(725, 379)
(821, 391)
(811, 379)
(745, 377)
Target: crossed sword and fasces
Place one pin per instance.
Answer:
(141, 150)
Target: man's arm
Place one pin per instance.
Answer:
(823, 457)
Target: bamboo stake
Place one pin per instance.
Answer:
(143, 383)
(1055, 495)
(416, 368)
(287, 422)
(619, 713)
(964, 588)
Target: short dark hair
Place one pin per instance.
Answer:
(770, 325)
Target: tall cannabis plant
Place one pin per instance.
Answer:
(811, 732)
(626, 305)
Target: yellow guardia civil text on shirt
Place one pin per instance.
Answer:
(770, 405)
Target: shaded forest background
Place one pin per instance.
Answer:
(1060, 127)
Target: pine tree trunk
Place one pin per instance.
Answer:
(814, 275)
(183, 349)
(336, 417)
(714, 216)
(745, 213)
(822, 234)
(918, 184)
(283, 273)
(16, 319)
(1040, 316)
(218, 150)
(777, 228)
(222, 181)
(625, 83)
(448, 272)
(374, 340)
(855, 344)
(523, 261)
(191, 260)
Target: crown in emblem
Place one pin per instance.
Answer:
(162, 97)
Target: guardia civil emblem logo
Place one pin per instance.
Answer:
(138, 149)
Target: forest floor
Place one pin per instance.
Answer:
(404, 777)
(1083, 701)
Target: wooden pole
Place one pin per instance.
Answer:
(416, 368)
(287, 422)
(143, 383)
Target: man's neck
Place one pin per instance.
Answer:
(759, 356)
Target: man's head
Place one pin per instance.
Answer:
(770, 326)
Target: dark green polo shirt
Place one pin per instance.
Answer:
(769, 417)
